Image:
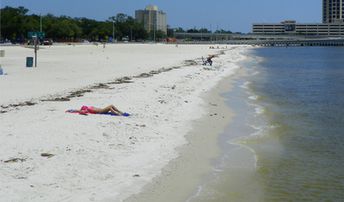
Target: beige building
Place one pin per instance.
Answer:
(152, 19)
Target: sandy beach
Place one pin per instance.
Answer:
(50, 155)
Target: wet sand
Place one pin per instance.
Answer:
(181, 179)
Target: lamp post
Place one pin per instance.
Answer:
(217, 29)
(201, 34)
(211, 33)
(113, 31)
(35, 41)
(152, 28)
(40, 23)
(154, 34)
(131, 33)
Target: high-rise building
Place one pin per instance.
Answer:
(333, 11)
(152, 19)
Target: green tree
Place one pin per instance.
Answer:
(89, 28)
(221, 31)
(15, 25)
(194, 30)
(127, 26)
(63, 28)
(31, 23)
(160, 35)
(179, 29)
(12, 23)
(102, 31)
(204, 30)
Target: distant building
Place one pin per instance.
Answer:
(333, 23)
(293, 28)
(333, 11)
(152, 19)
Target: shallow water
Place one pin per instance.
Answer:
(302, 93)
(233, 177)
(286, 142)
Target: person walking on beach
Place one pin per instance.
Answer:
(111, 109)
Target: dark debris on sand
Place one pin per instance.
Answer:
(15, 160)
(82, 92)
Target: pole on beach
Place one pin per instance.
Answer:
(154, 34)
(201, 34)
(131, 33)
(211, 31)
(113, 31)
(35, 39)
(217, 29)
(40, 23)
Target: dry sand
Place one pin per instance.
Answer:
(181, 179)
(48, 155)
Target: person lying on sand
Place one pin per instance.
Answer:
(111, 110)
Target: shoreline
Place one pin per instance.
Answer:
(189, 169)
(182, 178)
(102, 158)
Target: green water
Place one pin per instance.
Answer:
(301, 157)
(286, 141)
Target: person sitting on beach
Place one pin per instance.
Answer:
(111, 109)
(209, 60)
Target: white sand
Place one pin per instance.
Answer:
(98, 157)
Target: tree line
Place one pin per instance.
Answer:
(201, 30)
(16, 23)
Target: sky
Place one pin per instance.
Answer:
(234, 15)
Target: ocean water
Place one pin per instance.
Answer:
(300, 157)
(286, 141)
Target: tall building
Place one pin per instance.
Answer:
(333, 11)
(152, 19)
